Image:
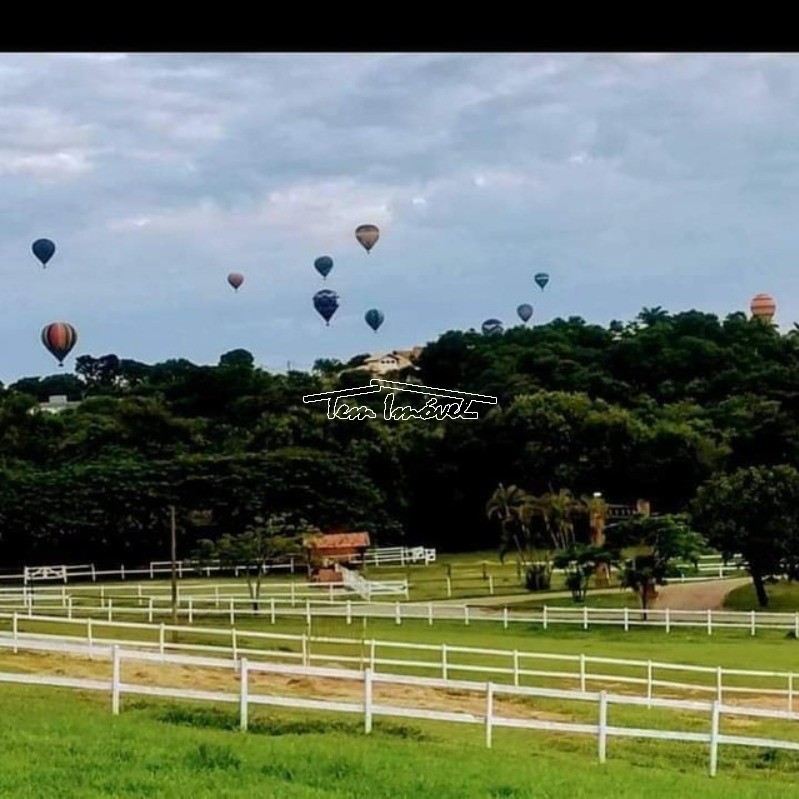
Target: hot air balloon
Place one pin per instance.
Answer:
(59, 338)
(525, 312)
(235, 279)
(492, 326)
(367, 235)
(542, 278)
(326, 304)
(43, 249)
(323, 265)
(374, 318)
(763, 307)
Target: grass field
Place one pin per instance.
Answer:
(62, 744)
(783, 596)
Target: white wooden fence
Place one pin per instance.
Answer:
(645, 677)
(369, 708)
(233, 602)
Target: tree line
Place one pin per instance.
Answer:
(667, 407)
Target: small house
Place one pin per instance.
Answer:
(326, 550)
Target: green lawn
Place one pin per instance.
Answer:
(60, 743)
(783, 597)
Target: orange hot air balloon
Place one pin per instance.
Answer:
(59, 338)
(367, 235)
(763, 307)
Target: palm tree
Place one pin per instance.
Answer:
(558, 511)
(651, 316)
(509, 507)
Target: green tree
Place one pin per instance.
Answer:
(581, 562)
(256, 549)
(755, 512)
(657, 541)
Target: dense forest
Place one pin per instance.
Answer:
(649, 409)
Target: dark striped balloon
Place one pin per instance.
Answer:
(323, 265)
(374, 318)
(43, 249)
(326, 304)
(492, 327)
(59, 338)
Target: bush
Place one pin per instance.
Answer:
(538, 577)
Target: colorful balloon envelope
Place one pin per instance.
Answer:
(492, 327)
(374, 318)
(323, 265)
(326, 304)
(367, 235)
(542, 278)
(43, 249)
(525, 312)
(763, 307)
(59, 338)
(235, 279)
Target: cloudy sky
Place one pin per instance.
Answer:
(634, 180)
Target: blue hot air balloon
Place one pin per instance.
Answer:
(492, 326)
(525, 312)
(374, 318)
(43, 249)
(542, 278)
(323, 265)
(326, 304)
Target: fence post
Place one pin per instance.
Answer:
(233, 643)
(293, 595)
(150, 610)
(649, 682)
(272, 609)
(790, 692)
(304, 649)
(490, 585)
(718, 683)
(544, 617)
(15, 630)
(191, 610)
(585, 617)
(449, 588)
(603, 725)
(796, 625)
(430, 614)
(115, 682)
(232, 611)
(489, 712)
(367, 701)
(372, 647)
(505, 617)
(63, 596)
(582, 673)
(138, 594)
(709, 621)
(308, 612)
(330, 592)
(466, 615)
(110, 609)
(752, 621)
(89, 634)
(94, 575)
(516, 667)
(291, 567)
(152, 573)
(122, 570)
(714, 739)
(243, 693)
(626, 619)
(668, 620)
(216, 596)
(397, 615)
(161, 635)
(444, 661)
(69, 607)
(102, 596)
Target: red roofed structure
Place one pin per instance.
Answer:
(324, 551)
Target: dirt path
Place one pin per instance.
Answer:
(697, 596)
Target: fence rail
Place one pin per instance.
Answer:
(366, 706)
(232, 602)
(646, 677)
